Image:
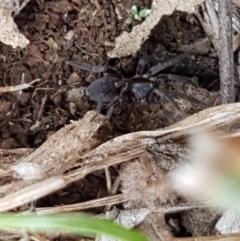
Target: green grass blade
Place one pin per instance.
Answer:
(82, 224)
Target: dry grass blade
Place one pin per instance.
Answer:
(111, 200)
(30, 193)
(99, 163)
(50, 185)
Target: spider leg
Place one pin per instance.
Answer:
(115, 102)
(141, 65)
(109, 112)
(125, 89)
(168, 63)
(167, 97)
(150, 95)
(178, 78)
(161, 66)
(189, 98)
(111, 107)
(94, 69)
(100, 101)
(86, 66)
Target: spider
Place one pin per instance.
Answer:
(113, 87)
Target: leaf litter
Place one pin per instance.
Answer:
(70, 147)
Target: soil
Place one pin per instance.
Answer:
(85, 30)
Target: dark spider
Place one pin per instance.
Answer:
(113, 87)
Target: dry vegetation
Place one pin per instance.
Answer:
(58, 154)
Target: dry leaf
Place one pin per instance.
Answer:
(10, 34)
(130, 43)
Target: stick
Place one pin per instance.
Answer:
(226, 51)
(20, 87)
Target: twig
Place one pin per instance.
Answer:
(116, 185)
(18, 87)
(226, 51)
(113, 191)
(85, 52)
(40, 112)
(223, 237)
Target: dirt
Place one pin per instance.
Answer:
(75, 31)
(83, 30)
(57, 32)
